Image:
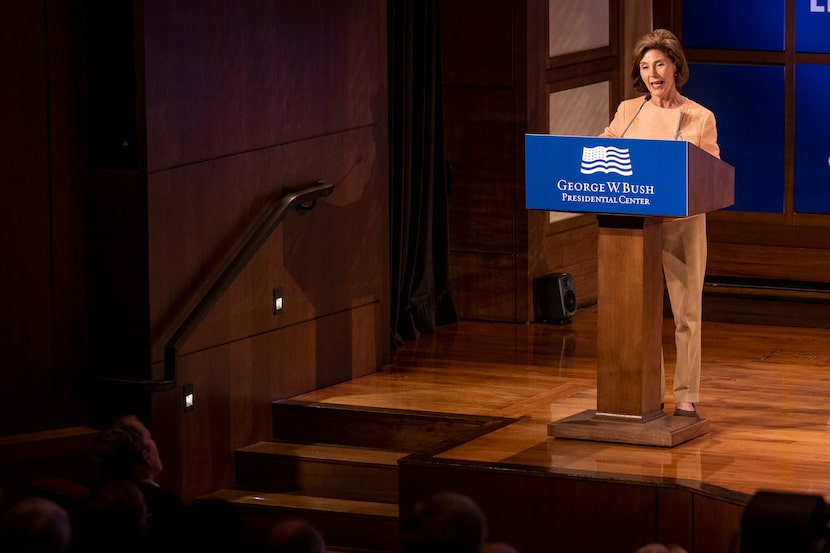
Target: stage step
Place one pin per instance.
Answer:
(349, 525)
(325, 470)
(336, 466)
(392, 429)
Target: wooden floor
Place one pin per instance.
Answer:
(764, 389)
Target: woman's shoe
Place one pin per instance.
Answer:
(686, 412)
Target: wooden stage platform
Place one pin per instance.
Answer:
(763, 391)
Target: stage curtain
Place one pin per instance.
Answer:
(419, 179)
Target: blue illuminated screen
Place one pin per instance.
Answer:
(811, 188)
(812, 26)
(735, 25)
(750, 128)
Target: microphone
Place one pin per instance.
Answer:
(646, 99)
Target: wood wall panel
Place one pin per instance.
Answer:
(487, 107)
(564, 512)
(675, 515)
(26, 279)
(477, 43)
(479, 145)
(768, 262)
(324, 260)
(483, 286)
(724, 227)
(249, 75)
(67, 152)
(744, 245)
(487, 116)
(61, 453)
(117, 275)
(257, 100)
(543, 513)
(235, 383)
(571, 246)
(717, 524)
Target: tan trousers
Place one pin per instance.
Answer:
(684, 267)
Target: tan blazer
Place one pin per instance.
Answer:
(690, 122)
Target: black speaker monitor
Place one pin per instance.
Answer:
(554, 298)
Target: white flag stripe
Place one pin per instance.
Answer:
(612, 164)
(606, 160)
(592, 170)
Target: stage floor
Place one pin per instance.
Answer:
(762, 389)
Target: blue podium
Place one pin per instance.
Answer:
(631, 185)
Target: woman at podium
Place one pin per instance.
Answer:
(660, 70)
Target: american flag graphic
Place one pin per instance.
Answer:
(606, 159)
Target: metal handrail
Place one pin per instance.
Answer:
(303, 199)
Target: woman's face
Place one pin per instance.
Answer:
(657, 71)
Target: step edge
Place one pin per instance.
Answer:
(306, 502)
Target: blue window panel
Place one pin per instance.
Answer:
(750, 128)
(812, 26)
(734, 24)
(812, 142)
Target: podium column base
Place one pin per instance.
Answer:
(663, 431)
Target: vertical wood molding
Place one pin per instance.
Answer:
(636, 21)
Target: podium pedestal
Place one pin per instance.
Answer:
(665, 431)
(629, 343)
(631, 184)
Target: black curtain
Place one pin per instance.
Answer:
(419, 181)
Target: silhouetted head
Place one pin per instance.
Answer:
(444, 523)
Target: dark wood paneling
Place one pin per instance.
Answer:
(541, 513)
(479, 144)
(484, 286)
(486, 76)
(563, 512)
(118, 285)
(768, 262)
(771, 230)
(675, 517)
(477, 42)
(325, 260)
(67, 152)
(235, 383)
(257, 100)
(571, 246)
(717, 524)
(26, 278)
(251, 75)
(759, 246)
(666, 15)
(52, 454)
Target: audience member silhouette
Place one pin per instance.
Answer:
(112, 518)
(660, 548)
(498, 547)
(127, 450)
(294, 536)
(35, 525)
(212, 524)
(446, 522)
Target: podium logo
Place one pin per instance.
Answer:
(606, 159)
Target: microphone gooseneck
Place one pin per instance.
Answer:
(646, 99)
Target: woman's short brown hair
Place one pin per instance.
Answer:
(666, 42)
